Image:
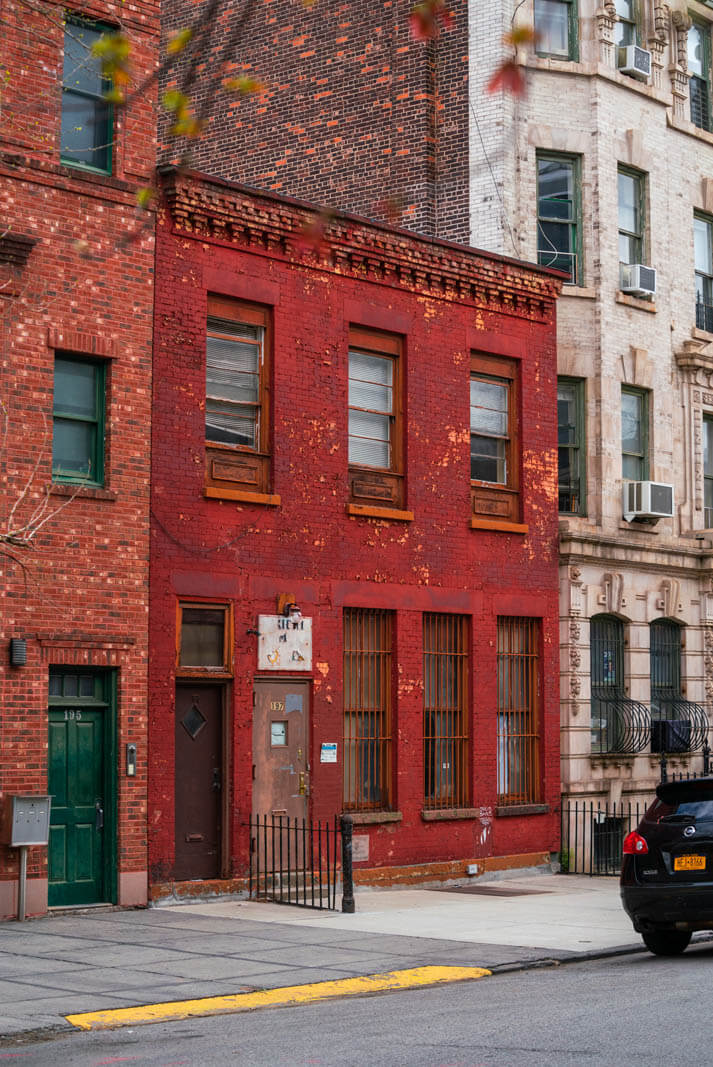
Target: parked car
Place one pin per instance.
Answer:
(667, 871)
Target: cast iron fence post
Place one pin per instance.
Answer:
(347, 876)
(706, 758)
(664, 764)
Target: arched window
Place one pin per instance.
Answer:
(665, 659)
(606, 644)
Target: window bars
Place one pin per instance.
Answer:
(518, 711)
(446, 739)
(367, 709)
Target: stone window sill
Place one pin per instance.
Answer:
(441, 814)
(372, 512)
(91, 492)
(635, 302)
(372, 818)
(583, 292)
(498, 524)
(522, 809)
(272, 500)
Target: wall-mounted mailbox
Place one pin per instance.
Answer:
(24, 820)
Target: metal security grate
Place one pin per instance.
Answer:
(367, 709)
(519, 775)
(445, 711)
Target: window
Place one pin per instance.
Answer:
(446, 744)
(78, 421)
(708, 471)
(703, 254)
(367, 709)
(699, 69)
(237, 396)
(204, 638)
(558, 214)
(634, 434)
(631, 216)
(606, 635)
(627, 29)
(556, 28)
(494, 441)
(518, 711)
(570, 445)
(87, 120)
(672, 717)
(375, 418)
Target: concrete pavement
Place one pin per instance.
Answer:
(102, 959)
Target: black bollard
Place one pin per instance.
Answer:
(347, 876)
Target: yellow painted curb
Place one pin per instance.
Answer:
(273, 998)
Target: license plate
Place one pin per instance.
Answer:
(689, 863)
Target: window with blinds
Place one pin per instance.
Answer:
(518, 656)
(446, 737)
(367, 709)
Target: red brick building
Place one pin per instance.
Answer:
(76, 301)
(354, 541)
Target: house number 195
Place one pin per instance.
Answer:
(72, 714)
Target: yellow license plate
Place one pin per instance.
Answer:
(689, 863)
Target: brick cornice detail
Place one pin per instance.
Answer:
(261, 222)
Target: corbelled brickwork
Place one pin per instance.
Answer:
(354, 113)
(71, 283)
(445, 301)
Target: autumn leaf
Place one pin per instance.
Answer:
(510, 77)
(144, 196)
(243, 86)
(520, 35)
(313, 236)
(428, 18)
(179, 41)
(114, 51)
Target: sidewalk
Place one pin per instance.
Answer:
(100, 959)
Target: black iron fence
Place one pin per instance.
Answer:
(301, 861)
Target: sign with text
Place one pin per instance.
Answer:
(284, 644)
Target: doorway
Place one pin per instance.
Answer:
(199, 781)
(281, 769)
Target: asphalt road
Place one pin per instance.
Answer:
(632, 1009)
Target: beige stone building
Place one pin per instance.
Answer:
(605, 170)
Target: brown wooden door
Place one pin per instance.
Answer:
(281, 748)
(199, 777)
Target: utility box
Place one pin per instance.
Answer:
(24, 820)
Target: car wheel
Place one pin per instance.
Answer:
(666, 942)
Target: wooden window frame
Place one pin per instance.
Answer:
(376, 486)
(635, 23)
(643, 456)
(546, 256)
(640, 236)
(703, 121)
(446, 646)
(703, 280)
(375, 747)
(577, 498)
(519, 748)
(241, 469)
(490, 499)
(100, 101)
(94, 477)
(572, 33)
(224, 670)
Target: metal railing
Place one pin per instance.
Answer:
(593, 834)
(704, 316)
(619, 725)
(299, 861)
(677, 725)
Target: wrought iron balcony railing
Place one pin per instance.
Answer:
(704, 316)
(619, 725)
(677, 725)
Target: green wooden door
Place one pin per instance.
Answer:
(77, 824)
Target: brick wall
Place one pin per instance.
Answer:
(445, 301)
(79, 594)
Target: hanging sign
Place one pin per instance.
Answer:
(284, 644)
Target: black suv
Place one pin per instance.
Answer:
(667, 873)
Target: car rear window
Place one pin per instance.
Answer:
(695, 808)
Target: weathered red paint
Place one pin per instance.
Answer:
(445, 300)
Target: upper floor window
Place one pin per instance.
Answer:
(570, 445)
(237, 423)
(627, 30)
(631, 188)
(494, 437)
(556, 28)
(87, 119)
(708, 471)
(703, 256)
(634, 434)
(78, 421)
(558, 214)
(375, 418)
(699, 69)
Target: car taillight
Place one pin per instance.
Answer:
(635, 844)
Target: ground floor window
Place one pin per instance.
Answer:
(519, 777)
(446, 737)
(367, 709)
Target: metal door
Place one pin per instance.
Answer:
(199, 780)
(78, 830)
(280, 748)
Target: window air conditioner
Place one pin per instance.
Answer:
(670, 735)
(636, 278)
(647, 500)
(635, 61)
